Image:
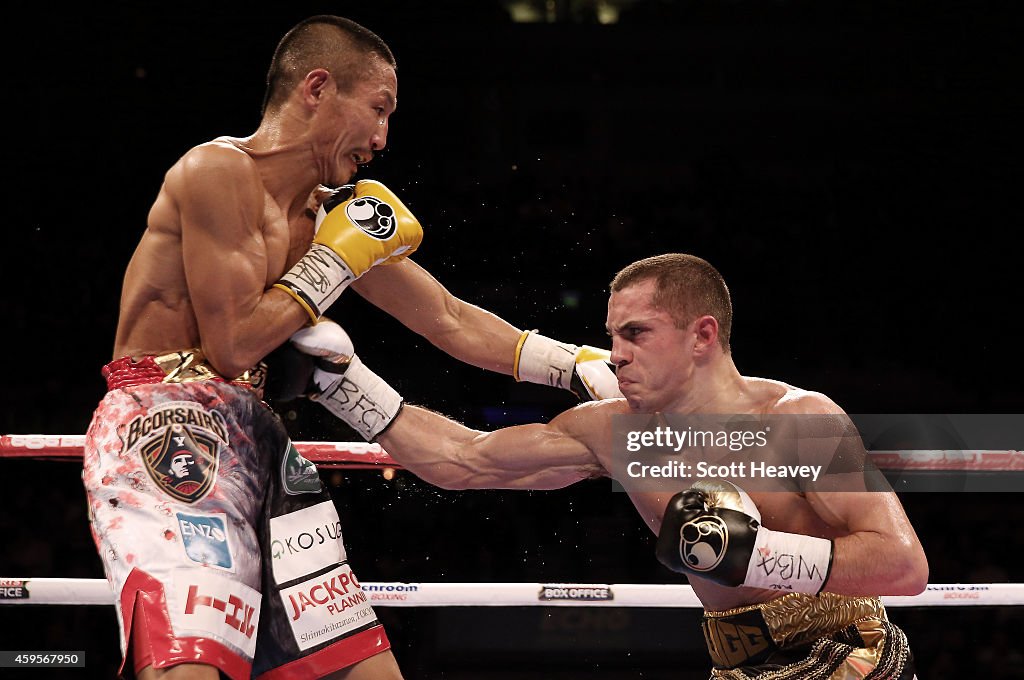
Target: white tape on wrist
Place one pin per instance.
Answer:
(317, 280)
(792, 562)
(545, 361)
(360, 398)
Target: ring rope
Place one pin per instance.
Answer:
(357, 455)
(81, 591)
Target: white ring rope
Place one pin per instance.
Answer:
(81, 591)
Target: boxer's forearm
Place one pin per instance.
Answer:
(477, 337)
(438, 449)
(410, 294)
(868, 563)
(432, 447)
(237, 333)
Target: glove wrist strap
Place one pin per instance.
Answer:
(317, 280)
(791, 562)
(362, 400)
(544, 361)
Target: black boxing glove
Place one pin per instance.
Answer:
(713, 530)
(289, 374)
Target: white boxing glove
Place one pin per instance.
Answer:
(330, 344)
(585, 371)
(344, 385)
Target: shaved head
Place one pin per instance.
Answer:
(687, 288)
(341, 46)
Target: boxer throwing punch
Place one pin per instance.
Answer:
(190, 478)
(670, 320)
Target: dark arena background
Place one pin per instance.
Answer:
(853, 168)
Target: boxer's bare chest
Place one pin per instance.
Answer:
(285, 238)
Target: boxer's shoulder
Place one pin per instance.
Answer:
(774, 397)
(591, 422)
(599, 412)
(222, 150)
(797, 401)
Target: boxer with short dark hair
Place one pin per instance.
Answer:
(245, 245)
(850, 541)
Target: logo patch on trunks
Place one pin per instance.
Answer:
(305, 541)
(205, 538)
(327, 607)
(741, 639)
(298, 474)
(207, 604)
(183, 462)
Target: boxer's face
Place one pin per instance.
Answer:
(355, 123)
(653, 357)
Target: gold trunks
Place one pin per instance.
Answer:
(852, 635)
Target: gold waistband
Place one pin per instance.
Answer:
(189, 365)
(736, 636)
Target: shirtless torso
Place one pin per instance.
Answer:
(783, 511)
(158, 312)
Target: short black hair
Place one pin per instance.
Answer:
(323, 41)
(688, 288)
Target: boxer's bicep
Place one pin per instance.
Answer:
(450, 455)
(225, 262)
(878, 513)
(877, 550)
(534, 457)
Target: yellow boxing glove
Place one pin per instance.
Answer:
(357, 228)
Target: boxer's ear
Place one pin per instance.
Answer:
(706, 330)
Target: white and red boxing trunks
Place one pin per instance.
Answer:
(216, 532)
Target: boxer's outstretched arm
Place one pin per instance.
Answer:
(452, 456)
(409, 293)
(440, 450)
